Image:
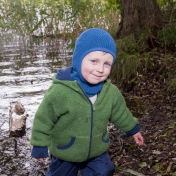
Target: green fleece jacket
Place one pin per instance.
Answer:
(72, 127)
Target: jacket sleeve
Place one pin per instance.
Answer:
(39, 152)
(121, 116)
(135, 130)
(43, 123)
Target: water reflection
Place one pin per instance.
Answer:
(26, 69)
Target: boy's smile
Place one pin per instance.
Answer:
(96, 66)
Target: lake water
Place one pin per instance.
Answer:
(26, 70)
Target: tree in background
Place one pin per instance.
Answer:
(140, 15)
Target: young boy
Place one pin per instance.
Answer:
(72, 119)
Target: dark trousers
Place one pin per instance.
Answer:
(98, 166)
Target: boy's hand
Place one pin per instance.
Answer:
(41, 159)
(138, 139)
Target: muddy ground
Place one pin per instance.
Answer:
(157, 156)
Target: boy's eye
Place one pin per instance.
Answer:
(107, 64)
(94, 61)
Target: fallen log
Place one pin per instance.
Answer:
(17, 120)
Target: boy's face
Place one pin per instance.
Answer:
(96, 66)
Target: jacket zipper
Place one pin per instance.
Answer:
(91, 121)
(91, 129)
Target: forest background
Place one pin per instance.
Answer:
(145, 34)
(136, 26)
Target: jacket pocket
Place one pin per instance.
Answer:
(62, 147)
(105, 138)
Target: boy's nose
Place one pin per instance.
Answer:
(99, 68)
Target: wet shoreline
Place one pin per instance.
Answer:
(25, 75)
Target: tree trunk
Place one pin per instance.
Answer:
(139, 15)
(17, 120)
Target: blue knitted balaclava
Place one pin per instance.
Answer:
(94, 39)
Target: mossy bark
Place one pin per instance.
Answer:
(139, 15)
